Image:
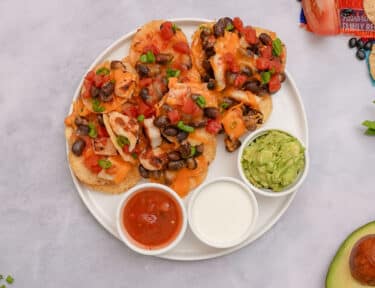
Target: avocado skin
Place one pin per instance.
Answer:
(338, 275)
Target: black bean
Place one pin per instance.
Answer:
(108, 88)
(199, 149)
(185, 150)
(361, 54)
(252, 86)
(205, 78)
(211, 112)
(250, 122)
(94, 91)
(78, 146)
(181, 136)
(117, 65)
(254, 48)
(170, 131)
(174, 156)
(211, 84)
(191, 163)
(265, 39)
(142, 70)
(210, 52)
(368, 46)
(221, 25)
(80, 121)
(143, 171)
(163, 58)
(198, 123)
(176, 165)
(144, 94)
(360, 44)
(105, 97)
(161, 121)
(83, 130)
(352, 42)
(99, 117)
(227, 102)
(207, 66)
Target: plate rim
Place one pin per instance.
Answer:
(222, 252)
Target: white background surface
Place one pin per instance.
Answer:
(47, 236)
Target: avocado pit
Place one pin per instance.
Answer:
(362, 260)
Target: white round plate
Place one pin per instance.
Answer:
(288, 113)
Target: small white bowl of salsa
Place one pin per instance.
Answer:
(151, 219)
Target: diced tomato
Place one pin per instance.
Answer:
(276, 65)
(213, 126)
(190, 107)
(130, 111)
(266, 52)
(274, 85)
(126, 149)
(230, 61)
(87, 84)
(262, 63)
(240, 80)
(102, 132)
(237, 23)
(181, 47)
(249, 34)
(90, 76)
(174, 116)
(106, 79)
(98, 81)
(144, 109)
(166, 31)
(151, 48)
(145, 82)
(91, 161)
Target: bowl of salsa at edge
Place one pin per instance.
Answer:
(151, 219)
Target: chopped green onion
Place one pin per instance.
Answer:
(266, 77)
(105, 164)
(122, 141)
(113, 81)
(92, 130)
(9, 279)
(103, 71)
(150, 57)
(224, 105)
(134, 155)
(173, 73)
(1, 276)
(202, 26)
(272, 71)
(369, 124)
(96, 106)
(185, 128)
(193, 150)
(229, 27)
(201, 102)
(175, 27)
(143, 58)
(140, 118)
(277, 47)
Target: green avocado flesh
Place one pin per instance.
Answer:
(339, 275)
(273, 161)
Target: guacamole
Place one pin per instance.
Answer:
(273, 160)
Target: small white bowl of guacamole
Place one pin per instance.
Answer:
(272, 162)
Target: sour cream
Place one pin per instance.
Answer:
(222, 213)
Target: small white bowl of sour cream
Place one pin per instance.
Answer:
(223, 213)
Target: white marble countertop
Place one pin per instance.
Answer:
(47, 236)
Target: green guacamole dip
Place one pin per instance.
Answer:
(273, 160)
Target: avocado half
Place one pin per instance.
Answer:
(339, 275)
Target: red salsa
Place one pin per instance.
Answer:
(152, 218)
